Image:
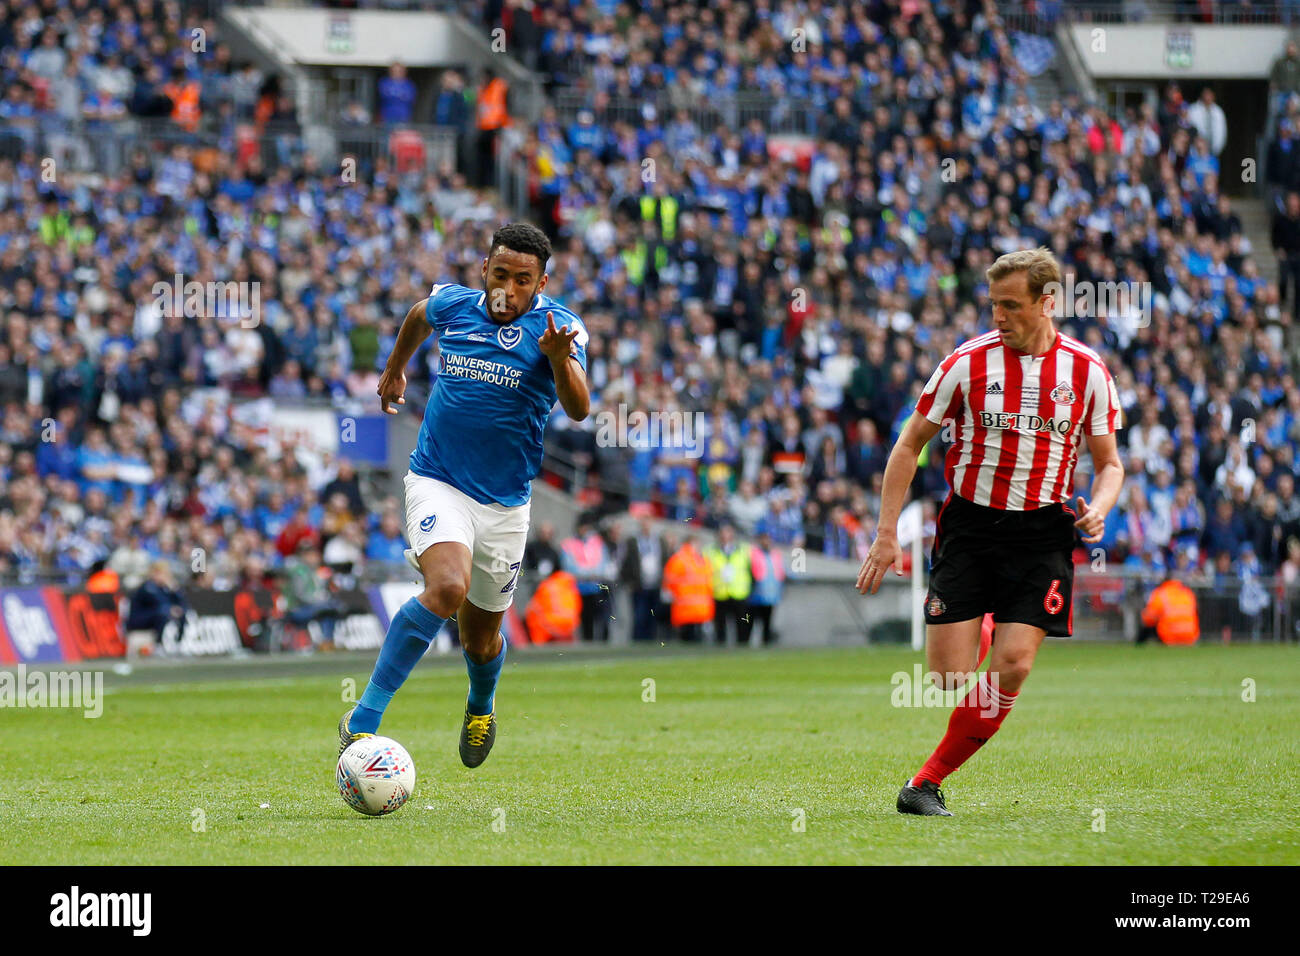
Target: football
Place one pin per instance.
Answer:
(375, 776)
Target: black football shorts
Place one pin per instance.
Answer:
(1017, 564)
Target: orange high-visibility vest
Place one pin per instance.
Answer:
(103, 582)
(555, 609)
(690, 580)
(492, 105)
(185, 104)
(1172, 609)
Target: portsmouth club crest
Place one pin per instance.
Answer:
(508, 336)
(935, 607)
(426, 525)
(1063, 394)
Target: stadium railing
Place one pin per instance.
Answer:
(1034, 16)
(780, 115)
(471, 10)
(105, 148)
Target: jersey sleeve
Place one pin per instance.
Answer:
(435, 306)
(579, 348)
(1101, 401)
(944, 386)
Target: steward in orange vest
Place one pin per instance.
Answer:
(1171, 611)
(555, 609)
(103, 579)
(492, 113)
(491, 119)
(689, 579)
(184, 95)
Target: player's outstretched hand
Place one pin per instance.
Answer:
(392, 386)
(884, 552)
(1091, 524)
(556, 344)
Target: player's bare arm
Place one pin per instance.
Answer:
(570, 380)
(392, 384)
(899, 472)
(1107, 481)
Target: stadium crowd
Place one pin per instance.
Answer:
(84, 65)
(807, 302)
(779, 312)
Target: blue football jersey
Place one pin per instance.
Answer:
(482, 430)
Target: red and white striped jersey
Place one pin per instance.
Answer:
(1018, 419)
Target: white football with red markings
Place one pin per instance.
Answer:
(375, 776)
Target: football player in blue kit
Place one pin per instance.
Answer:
(504, 363)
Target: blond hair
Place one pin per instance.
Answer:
(1039, 265)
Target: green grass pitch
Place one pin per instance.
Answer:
(744, 757)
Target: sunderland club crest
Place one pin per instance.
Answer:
(1063, 394)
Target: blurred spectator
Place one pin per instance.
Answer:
(149, 97)
(295, 533)
(1225, 531)
(452, 107)
(746, 508)
(586, 557)
(1286, 244)
(388, 543)
(345, 552)
(355, 114)
(1284, 79)
(347, 484)
(767, 568)
(522, 19)
(1253, 598)
(154, 605)
(131, 560)
(1207, 117)
(307, 594)
(643, 570)
(540, 555)
(396, 96)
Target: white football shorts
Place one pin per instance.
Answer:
(495, 535)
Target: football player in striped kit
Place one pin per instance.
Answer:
(1020, 399)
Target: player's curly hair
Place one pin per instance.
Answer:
(522, 237)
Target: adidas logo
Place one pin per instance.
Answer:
(994, 389)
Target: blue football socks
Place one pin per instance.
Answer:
(483, 681)
(408, 637)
